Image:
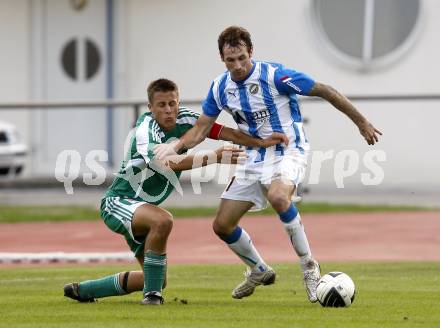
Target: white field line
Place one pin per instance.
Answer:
(21, 280)
(61, 257)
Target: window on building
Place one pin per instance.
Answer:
(365, 32)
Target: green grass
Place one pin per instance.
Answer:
(304, 208)
(387, 295)
(12, 214)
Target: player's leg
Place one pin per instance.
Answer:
(279, 195)
(133, 281)
(117, 214)
(156, 224)
(129, 281)
(226, 227)
(90, 290)
(118, 284)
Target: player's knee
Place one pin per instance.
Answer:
(217, 228)
(221, 230)
(164, 224)
(278, 201)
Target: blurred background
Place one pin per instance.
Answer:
(74, 75)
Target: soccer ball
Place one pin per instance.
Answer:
(335, 289)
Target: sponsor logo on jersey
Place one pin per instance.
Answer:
(288, 80)
(253, 88)
(261, 116)
(232, 93)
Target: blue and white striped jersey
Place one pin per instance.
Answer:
(263, 103)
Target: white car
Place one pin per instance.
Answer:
(12, 151)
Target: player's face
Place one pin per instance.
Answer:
(238, 61)
(165, 106)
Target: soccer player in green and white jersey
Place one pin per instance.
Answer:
(130, 205)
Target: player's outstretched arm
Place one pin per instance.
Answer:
(226, 155)
(368, 131)
(240, 138)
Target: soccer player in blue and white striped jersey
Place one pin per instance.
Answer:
(262, 99)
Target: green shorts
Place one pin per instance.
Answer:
(117, 214)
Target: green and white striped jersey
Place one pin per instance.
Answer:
(139, 177)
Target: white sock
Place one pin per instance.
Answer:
(298, 238)
(247, 252)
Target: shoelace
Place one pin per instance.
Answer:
(310, 274)
(247, 273)
(310, 277)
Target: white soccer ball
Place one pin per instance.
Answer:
(335, 289)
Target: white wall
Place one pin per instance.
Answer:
(14, 54)
(179, 39)
(14, 63)
(410, 142)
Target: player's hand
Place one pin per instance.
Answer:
(230, 154)
(274, 139)
(163, 150)
(369, 132)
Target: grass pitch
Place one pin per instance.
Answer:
(14, 214)
(387, 295)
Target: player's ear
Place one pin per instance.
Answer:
(150, 108)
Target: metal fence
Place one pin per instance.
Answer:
(136, 105)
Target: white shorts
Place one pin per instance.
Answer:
(251, 180)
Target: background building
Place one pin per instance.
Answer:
(61, 50)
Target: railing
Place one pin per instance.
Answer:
(140, 103)
(136, 105)
(90, 104)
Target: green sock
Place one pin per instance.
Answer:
(155, 268)
(107, 286)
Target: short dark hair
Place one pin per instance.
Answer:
(235, 36)
(161, 85)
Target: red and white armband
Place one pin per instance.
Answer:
(214, 133)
